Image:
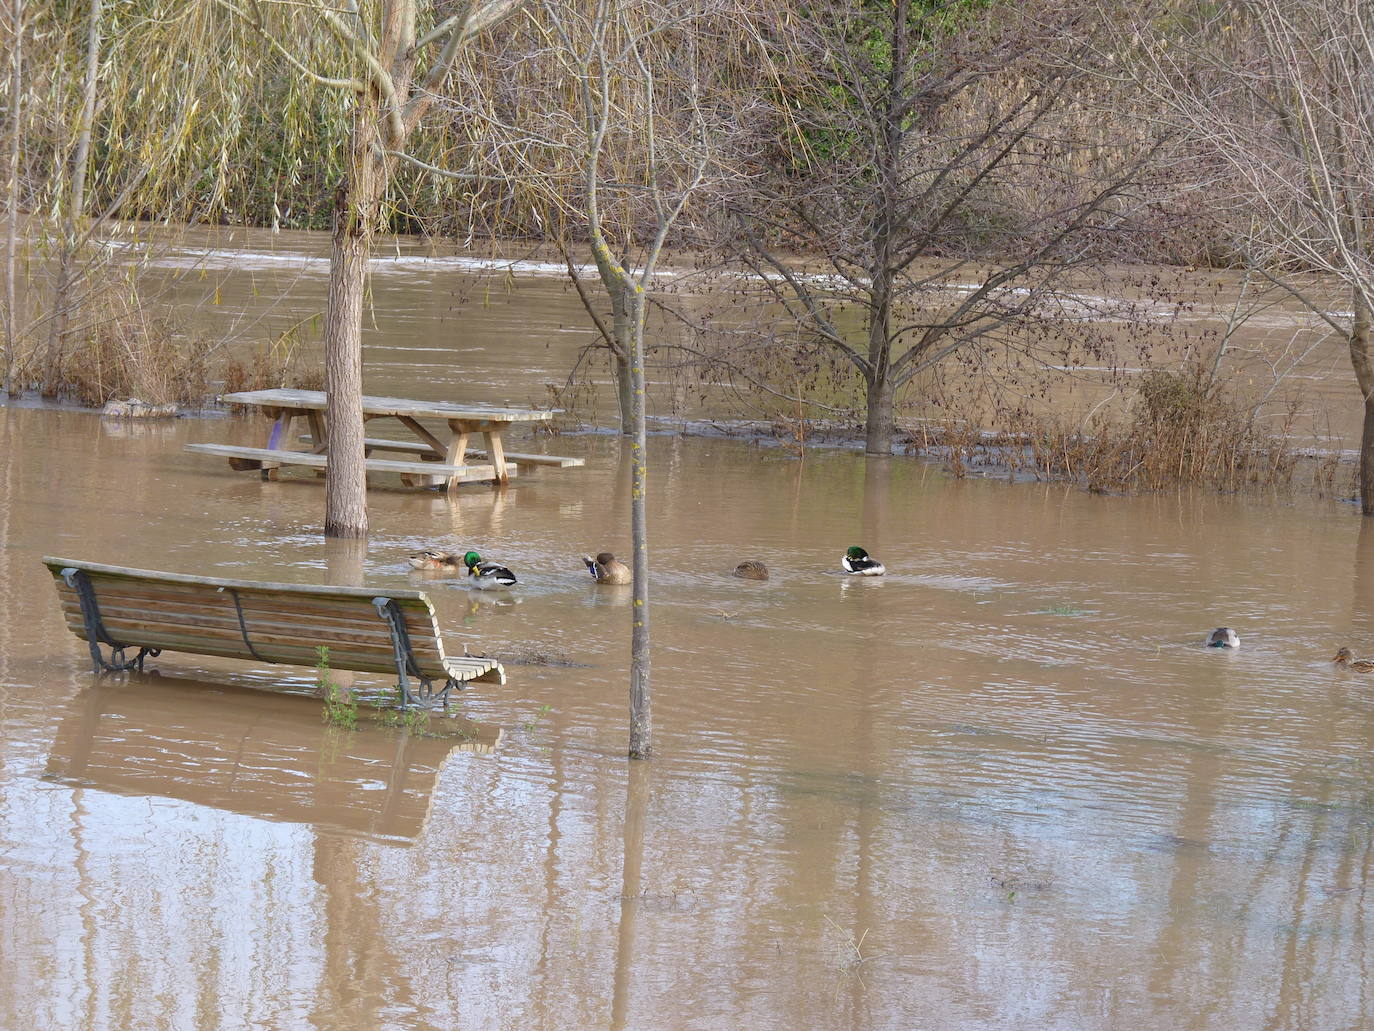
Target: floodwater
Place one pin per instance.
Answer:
(1001, 787)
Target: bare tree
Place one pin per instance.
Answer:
(940, 190)
(599, 117)
(1281, 92)
(615, 54)
(398, 66)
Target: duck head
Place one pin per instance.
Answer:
(429, 559)
(1223, 637)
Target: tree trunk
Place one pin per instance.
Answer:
(57, 335)
(12, 181)
(641, 716)
(1361, 359)
(624, 393)
(345, 499)
(878, 428)
(878, 375)
(623, 331)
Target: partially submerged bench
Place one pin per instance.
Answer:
(364, 630)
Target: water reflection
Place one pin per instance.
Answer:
(246, 751)
(631, 892)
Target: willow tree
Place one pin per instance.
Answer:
(402, 51)
(109, 108)
(1279, 90)
(14, 35)
(76, 208)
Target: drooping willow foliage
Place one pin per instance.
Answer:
(198, 119)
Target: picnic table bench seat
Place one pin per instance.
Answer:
(416, 447)
(261, 458)
(366, 630)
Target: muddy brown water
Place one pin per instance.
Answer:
(1001, 787)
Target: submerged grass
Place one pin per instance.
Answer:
(116, 349)
(1183, 431)
(272, 365)
(340, 704)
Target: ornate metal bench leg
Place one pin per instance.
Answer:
(96, 634)
(400, 644)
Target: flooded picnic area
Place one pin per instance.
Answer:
(1002, 786)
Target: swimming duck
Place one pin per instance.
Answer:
(751, 570)
(435, 561)
(486, 575)
(857, 562)
(1223, 637)
(607, 569)
(1345, 657)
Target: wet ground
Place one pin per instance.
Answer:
(1001, 787)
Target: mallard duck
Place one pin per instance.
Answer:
(1345, 657)
(607, 569)
(486, 575)
(857, 563)
(1223, 637)
(435, 561)
(751, 570)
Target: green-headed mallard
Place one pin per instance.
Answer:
(1345, 657)
(435, 561)
(1223, 637)
(751, 570)
(607, 569)
(857, 563)
(486, 575)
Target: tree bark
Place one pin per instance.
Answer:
(622, 328)
(878, 376)
(12, 180)
(345, 500)
(878, 427)
(1363, 363)
(57, 335)
(641, 714)
(624, 394)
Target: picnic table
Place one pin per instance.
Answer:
(441, 457)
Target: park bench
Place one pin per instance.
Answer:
(365, 630)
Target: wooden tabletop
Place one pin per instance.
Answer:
(315, 400)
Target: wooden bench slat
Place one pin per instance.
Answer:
(219, 608)
(215, 604)
(136, 625)
(150, 577)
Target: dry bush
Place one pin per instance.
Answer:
(118, 350)
(1183, 430)
(272, 365)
